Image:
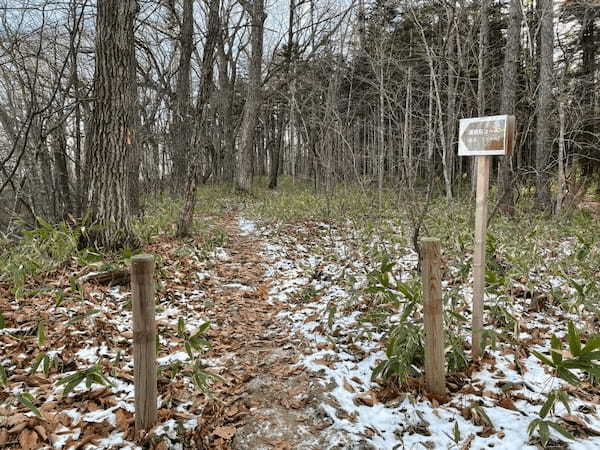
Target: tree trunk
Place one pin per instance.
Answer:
(135, 161)
(112, 137)
(407, 158)
(560, 196)
(380, 134)
(509, 90)
(275, 146)
(200, 142)
(451, 106)
(253, 98)
(543, 144)
(225, 101)
(61, 174)
(181, 134)
(79, 183)
(481, 66)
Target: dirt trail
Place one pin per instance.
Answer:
(279, 402)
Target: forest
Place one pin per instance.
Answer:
(251, 224)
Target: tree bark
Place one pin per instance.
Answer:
(61, 174)
(79, 182)
(252, 106)
(182, 115)
(560, 195)
(200, 142)
(225, 106)
(112, 135)
(543, 144)
(509, 90)
(484, 30)
(275, 147)
(451, 106)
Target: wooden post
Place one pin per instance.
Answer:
(144, 341)
(483, 177)
(435, 361)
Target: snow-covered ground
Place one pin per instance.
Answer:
(345, 351)
(317, 275)
(97, 331)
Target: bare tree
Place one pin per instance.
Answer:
(182, 112)
(256, 11)
(543, 143)
(201, 141)
(509, 92)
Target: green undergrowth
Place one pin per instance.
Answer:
(526, 241)
(382, 226)
(37, 251)
(529, 254)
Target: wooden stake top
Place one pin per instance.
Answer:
(142, 263)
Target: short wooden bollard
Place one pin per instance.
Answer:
(435, 363)
(144, 341)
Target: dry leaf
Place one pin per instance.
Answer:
(225, 432)
(323, 362)
(365, 398)
(348, 386)
(297, 390)
(162, 445)
(42, 432)
(507, 403)
(467, 444)
(581, 423)
(16, 419)
(28, 440)
(280, 444)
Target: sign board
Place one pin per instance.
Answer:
(486, 136)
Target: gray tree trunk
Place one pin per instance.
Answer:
(201, 142)
(112, 135)
(543, 144)
(484, 31)
(253, 103)
(61, 173)
(181, 133)
(509, 90)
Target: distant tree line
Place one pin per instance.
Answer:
(105, 101)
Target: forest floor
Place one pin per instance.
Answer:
(295, 312)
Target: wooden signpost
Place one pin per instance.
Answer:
(483, 137)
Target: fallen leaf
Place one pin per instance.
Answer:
(16, 419)
(507, 403)
(42, 432)
(297, 390)
(162, 445)
(280, 444)
(467, 444)
(348, 386)
(365, 398)
(486, 432)
(225, 432)
(581, 423)
(28, 439)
